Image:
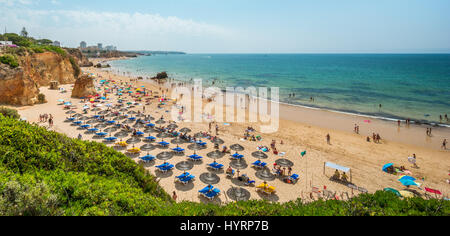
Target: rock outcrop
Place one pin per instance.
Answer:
(20, 86)
(84, 86)
(17, 88)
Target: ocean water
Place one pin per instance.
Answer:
(415, 86)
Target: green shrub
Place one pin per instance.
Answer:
(46, 173)
(10, 60)
(75, 66)
(8, 112)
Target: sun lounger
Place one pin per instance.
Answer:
(259, 164)
(212, 194)
(206, 189)
(216, 166)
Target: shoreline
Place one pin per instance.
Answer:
(379, 116)
(413, 134)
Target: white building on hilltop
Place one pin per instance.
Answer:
(5, 43)
(57, 44)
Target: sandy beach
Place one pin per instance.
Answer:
(301, 129)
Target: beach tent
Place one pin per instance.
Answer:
(385, 167)
(337, 167)
(406, 177)
(408, 182)
(393, 191)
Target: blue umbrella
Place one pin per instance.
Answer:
(406, 177)
(385, 167)
(408, 182)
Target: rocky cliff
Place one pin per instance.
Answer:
(84, 86)
(20, 86)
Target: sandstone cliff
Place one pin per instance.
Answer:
(84, 86)
(20, 86)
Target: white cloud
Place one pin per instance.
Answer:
(126, 30)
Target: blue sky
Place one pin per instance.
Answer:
(231, 26)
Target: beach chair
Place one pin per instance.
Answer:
(185, 180)
(134, 150)
(237, 156)
(216, 166)
(293, 178)
(206, 189)
(230, 174)
(147, 158)
(212, 194)
(259, 164)
(122, 144)
(195, 158)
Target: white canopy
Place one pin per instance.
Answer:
(336, 166)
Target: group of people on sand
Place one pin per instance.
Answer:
(375, 137)
(210, 127)
(281, 171)
(445, 117)
(339, 177)
(43, 118)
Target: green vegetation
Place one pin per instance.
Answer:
(41, 98)
(75, 66)
(46, 173)
(11, 113)
(10, 60)
(33, 45)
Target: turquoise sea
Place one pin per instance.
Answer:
(415, 86)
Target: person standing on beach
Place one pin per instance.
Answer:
(329, 139)
(174, 196)
(444, 144)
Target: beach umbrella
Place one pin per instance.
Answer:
(284, 163)
(239, 164)
(160, 122)
(265, 174)
(406, 177)
(172, 126)
(237, 147)
(148, 147)
(149, 130)
(121, 134)
(132, 112)
(178, 140)
(92, 122)
(103, 112)
(138, 125)
(184, 166)
(199, 135)
(164, 156)
(393, 191)
(185, 130)
(216, 154)
(71, 112)
(83, 118)
(133, 140)
(209, 178)
(260, 155)
(238, 194)
(96, 109)
(385, 167)
(163, 135)
(101, 126)
(195, 147)
(218, 141)
(110, 129)
(408, 182)
(123, 109)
